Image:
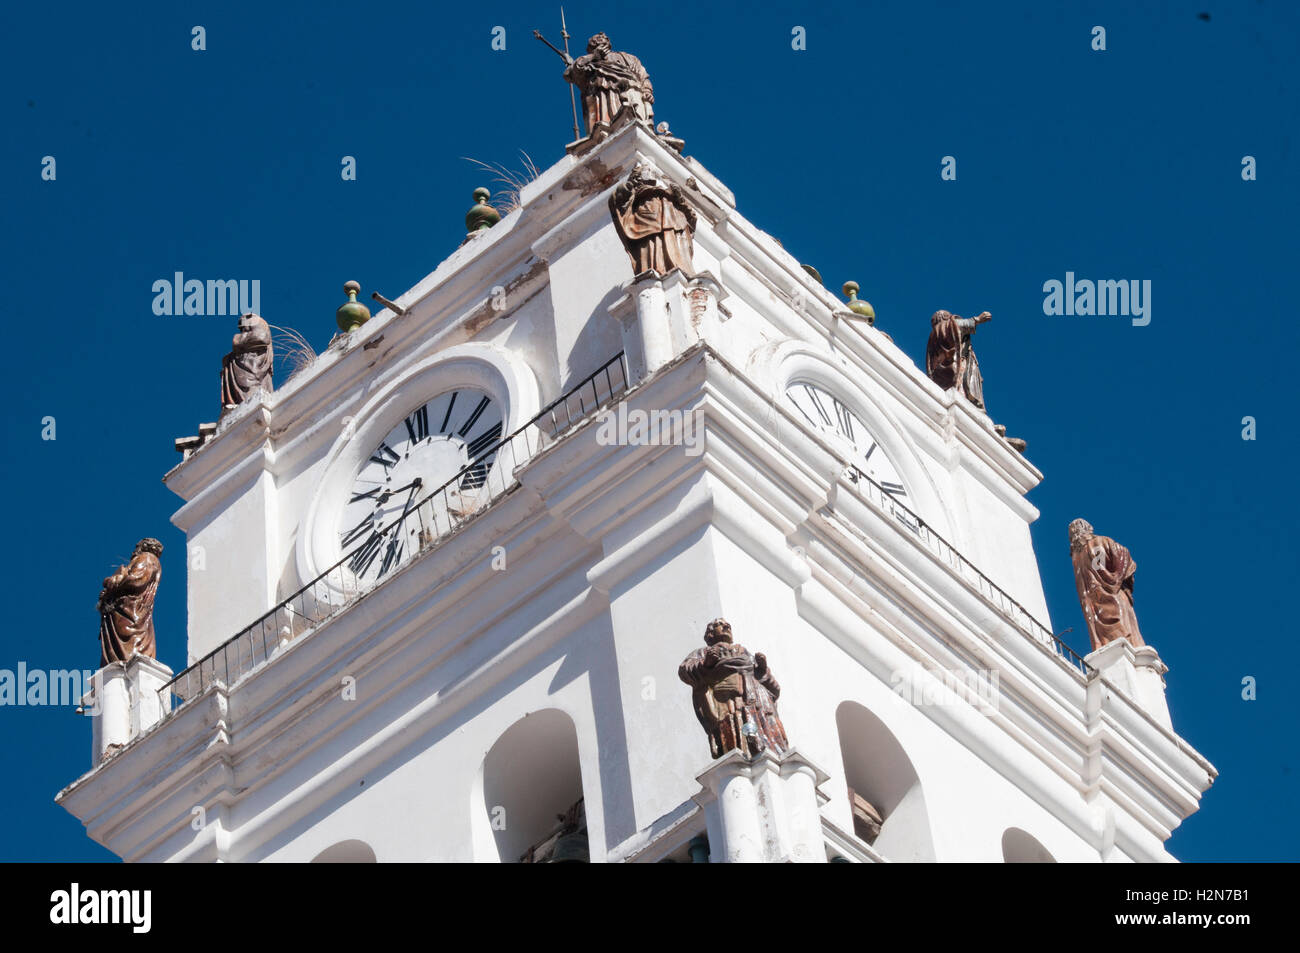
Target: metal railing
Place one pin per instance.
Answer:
(482, 480)
(876, 494)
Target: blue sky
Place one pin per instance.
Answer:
(1117, 164)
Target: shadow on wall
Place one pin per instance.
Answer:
(346, 852)
(531, 809)
(884, 791)
(1019, 847)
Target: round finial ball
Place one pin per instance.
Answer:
(481, 195)
(851, 288)
(351, 288)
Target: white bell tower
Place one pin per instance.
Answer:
(442, 608)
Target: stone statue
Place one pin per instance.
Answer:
(610, 82)
(1103, 574)
(950, 358)
(126, 606)
(734, 695)
(248, 365)
(654, 221)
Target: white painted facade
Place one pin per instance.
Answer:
(487, 699)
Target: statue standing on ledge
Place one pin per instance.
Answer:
(654, 221)
(734, 695)
(950, 358)
(610, 82)
(126, 606)
(248, 365)
(1103, 574)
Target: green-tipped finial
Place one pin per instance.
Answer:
(863, 308)
(352, 313)
(482, 216)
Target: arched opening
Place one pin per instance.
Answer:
(884, 791)
(532, 792)
(346, 852)
(1019, 847)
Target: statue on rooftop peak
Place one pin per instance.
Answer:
(610, 82)
(734, 695)
(126, 606)
(248, 366)
(1103, 576)
(950, 357)
(654, 220)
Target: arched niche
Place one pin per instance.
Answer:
(879, 772)
(1020, 847)
(530, 776)
(346, 852)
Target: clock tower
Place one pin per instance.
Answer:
(440, 616)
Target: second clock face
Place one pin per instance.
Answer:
(827, 414)
(433, 445)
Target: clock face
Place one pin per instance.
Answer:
(826, 414)
(390, 511)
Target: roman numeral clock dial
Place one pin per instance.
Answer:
(825, 413)
(389, 510)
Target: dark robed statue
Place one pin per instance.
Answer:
(126, 606)
(734, 695)
(248, 365)
(654, 220)
(1103, 575)
(610, 81)
(950, 358)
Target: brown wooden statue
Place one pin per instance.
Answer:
(248, 365)
(734, 695)
(950, 358)
(126, 606)
(1103, 575)
(654, 221)
(610, 81)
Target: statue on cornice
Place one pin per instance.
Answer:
(654, 221)
(126, 606)
(950, 357)
(1103, 575)
(248, 366)
(610, 82)
(734, 695)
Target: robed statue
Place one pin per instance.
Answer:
(248, 365)
(610, 82)
(1103, 575)
(734, 695)
(654, 220)
(950, 357)
(126, 606)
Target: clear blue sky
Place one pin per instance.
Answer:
(1117, 164)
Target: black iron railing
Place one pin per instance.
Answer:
(876, 494)
(483, 479)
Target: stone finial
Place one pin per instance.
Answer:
(858, 306)
(734, 695)
(352, 313)
(482, 216)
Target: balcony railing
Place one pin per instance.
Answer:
(876, 494)
(481, 481)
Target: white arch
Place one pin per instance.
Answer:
(531, 773)
(346, 852)
(1021, 847)
(877, 768)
